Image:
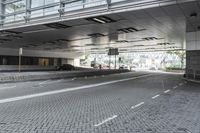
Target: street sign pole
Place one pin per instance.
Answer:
(20, 54)
(115, 62)
(109, 61)
(113, 51)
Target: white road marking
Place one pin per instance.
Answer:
(106, 120)
(167, 91)
(7, 87)
(175, 87)
(95, 76)
(102, 75)
(50, 81)
(137, 105)
(85, 77)
(73, 79)
(67, 90)
(180, 84)
(154, 97)
(44, 82)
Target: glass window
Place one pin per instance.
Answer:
(15, 6)
(51, 1)
(37, 3)
(91, 3)
(51, 10)
(9, 8)
(37, 13)
(9, 19)
(73, 5)
(19, 16)
(20, 5)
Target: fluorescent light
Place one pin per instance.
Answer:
(99, 20)
(34, 31)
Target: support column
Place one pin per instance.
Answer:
(1, 12)
(193, 55)
(108, 3)
(28, 12)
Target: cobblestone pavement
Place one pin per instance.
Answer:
(161, 103)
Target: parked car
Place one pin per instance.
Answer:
(67, 67)
(123, 67)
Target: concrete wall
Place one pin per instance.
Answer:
(39, 53)
(193, 55)
(193, 41)
(193, 64)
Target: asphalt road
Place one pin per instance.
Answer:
(137, 102)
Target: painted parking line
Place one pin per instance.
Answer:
(7, 87)
(138, 105)
(68, 89)
(156, 96)
(106, 120)
(167, 91)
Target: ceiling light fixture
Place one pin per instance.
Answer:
(57, 25)
(96, 35)
(101, 19)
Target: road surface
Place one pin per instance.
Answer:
(135, 102)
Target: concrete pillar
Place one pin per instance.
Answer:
(193, 55)
(1, 12)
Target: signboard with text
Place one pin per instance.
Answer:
(113, 51)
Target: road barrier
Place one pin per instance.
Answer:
(31, 76)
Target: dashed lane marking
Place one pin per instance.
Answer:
(73, 79)
(175, 87)
(180, 84)
(13, 99)
(7, 87)
(44, 82)
(167, 91)
(156, 96)
(138, 105)
(106, 120)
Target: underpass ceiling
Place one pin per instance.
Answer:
(158, 28)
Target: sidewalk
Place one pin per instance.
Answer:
(192, 80)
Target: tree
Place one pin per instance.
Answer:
(181, 54)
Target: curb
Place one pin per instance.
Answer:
(192, 80)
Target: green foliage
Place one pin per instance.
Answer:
(181, 54)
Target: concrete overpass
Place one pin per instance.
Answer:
(69, 29)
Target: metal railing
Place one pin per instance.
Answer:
(45, 11)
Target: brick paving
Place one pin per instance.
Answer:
(177, 111)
